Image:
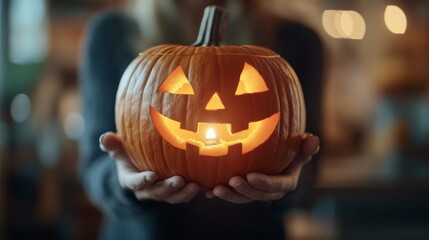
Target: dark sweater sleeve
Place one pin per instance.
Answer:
(303, 49)
(106, 54)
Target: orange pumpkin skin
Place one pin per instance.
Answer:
(209, 69)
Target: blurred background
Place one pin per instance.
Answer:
(373, 176)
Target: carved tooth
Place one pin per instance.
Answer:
(238, 127)
(192, 150)
(235, 150)
(193, 127)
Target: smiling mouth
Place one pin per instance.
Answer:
(256, 134)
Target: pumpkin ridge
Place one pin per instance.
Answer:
(187, 165)
(162, 160)
(192, 161)
(180, 160)
(122, 107)
(292, 94)
(278, 163)
(131, 147)
(279, 105)
(281, 91)
(148, 154)
(144, 164)
(129, 141)
(120, 97)
(300, 94)
(141, 93)
(205, 171)
(252, 160)
(290, 91)
(197, 160)
(222, 161)
(140, 83)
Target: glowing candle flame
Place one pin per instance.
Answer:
(211, 138)
(211, 134)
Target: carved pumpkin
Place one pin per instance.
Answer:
(208, 112)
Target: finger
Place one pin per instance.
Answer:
(288, 181)
(209, 194)
(162, 189)
(310, 144)
(136, 181)
(240, 185)
(186, 194)
(272, 184)
(110, 143)
(310, 147)
(230, 195)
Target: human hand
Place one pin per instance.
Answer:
(258, 186)
(145, 185)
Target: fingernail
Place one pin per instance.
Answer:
(101, 137)
(317, 150)
(318, 146)
(209, 196)
(174, 184)
(193, 188)
(234, 183)
(100, 142)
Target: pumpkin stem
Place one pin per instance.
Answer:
(212, 27)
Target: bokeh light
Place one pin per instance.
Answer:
(357, 27)
(74, 125)
(20, 108)
(328, 22)
(28, 41)
(395, 19)
(344, 24)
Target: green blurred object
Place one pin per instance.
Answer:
(19, 78)
(23, 45)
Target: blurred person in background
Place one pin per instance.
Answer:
(139, 205)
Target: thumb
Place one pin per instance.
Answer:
(110, 143)
(309, 148)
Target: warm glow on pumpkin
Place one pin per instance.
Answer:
(215, 103)
(177, 83)
(250, 81)
(257, 133)
(243, 110)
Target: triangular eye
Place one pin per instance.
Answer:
(176, 83)
(250, 81)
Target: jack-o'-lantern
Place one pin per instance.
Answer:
(208, 112)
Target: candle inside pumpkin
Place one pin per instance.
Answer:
(211, 137)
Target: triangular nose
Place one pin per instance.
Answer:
(215, 103)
